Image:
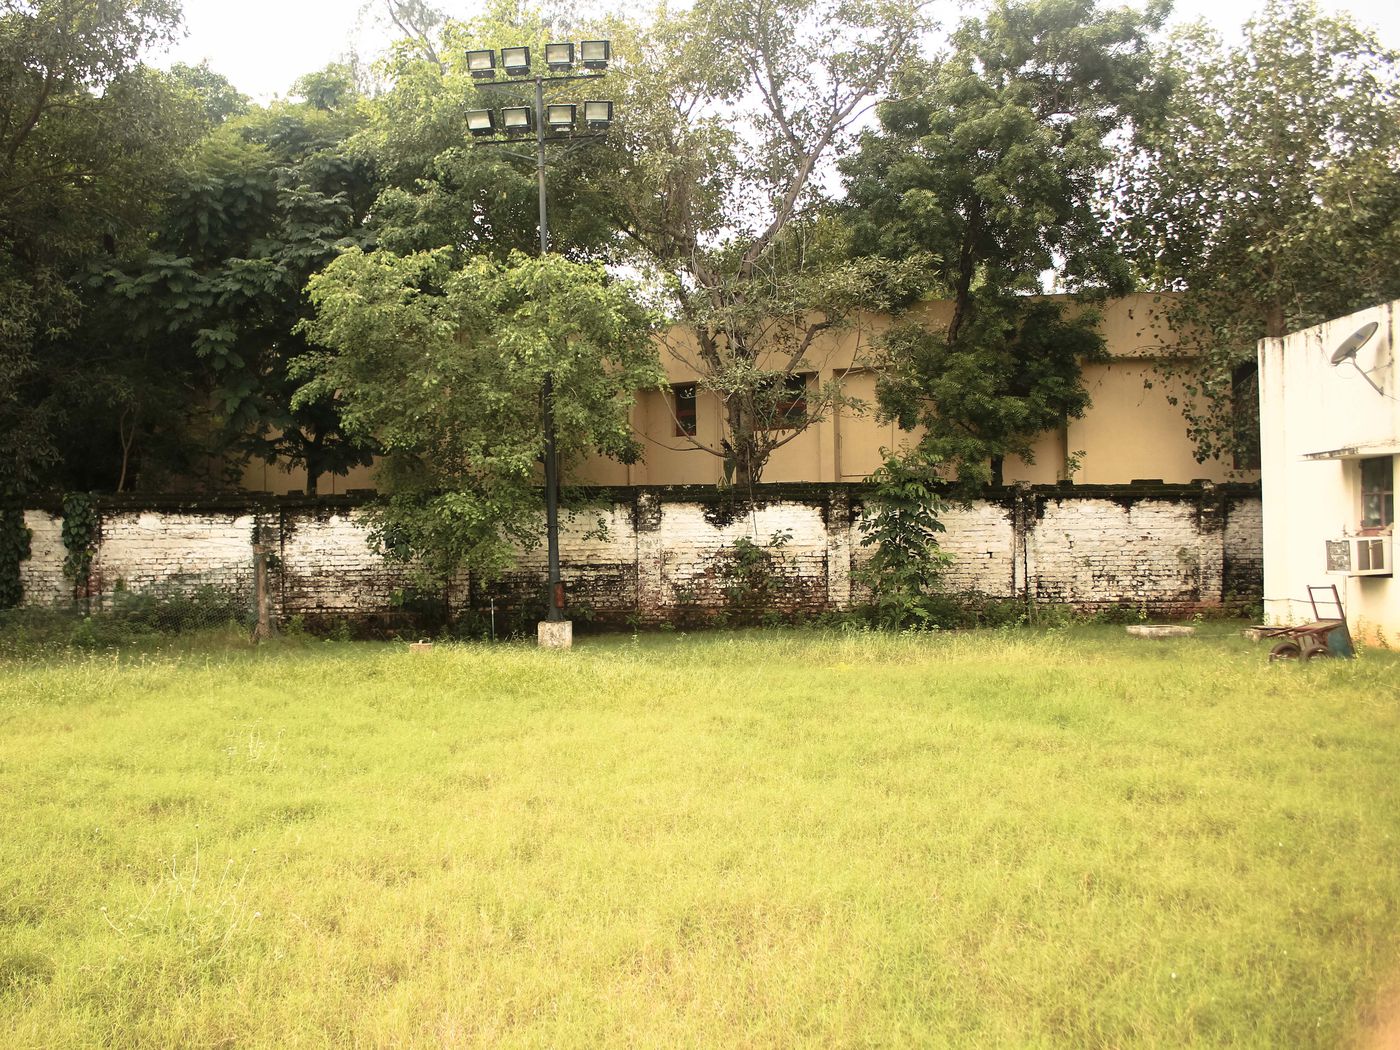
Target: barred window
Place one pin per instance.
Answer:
(1377, 491)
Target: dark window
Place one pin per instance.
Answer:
(684, 394)
(1377, 491)
(790, 405)
(1244, 398)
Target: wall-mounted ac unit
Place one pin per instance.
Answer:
(1359, 556)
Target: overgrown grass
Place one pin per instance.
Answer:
(1063, 838)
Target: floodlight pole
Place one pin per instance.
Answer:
(555, 612)
(555, 631)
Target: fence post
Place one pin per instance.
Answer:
(264, 630)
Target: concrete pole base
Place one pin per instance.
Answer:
(556, 634)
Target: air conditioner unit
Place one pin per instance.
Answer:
(1359, 556)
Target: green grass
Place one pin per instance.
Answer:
(1062, 838)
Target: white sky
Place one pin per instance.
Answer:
(264, 45)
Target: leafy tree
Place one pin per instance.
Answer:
(208, 317)
(901, 530)
(1269, 197)
(87, 137)
(1012, 373)
(442, 360)
(218, 98)
(730, 114)
(989, 166)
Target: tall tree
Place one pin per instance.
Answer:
(731, 114)
(266, 200)
(1269, 197)
(87, 137)
(989, 165)
(442, 358)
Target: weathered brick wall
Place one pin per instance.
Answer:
(325, 565)
(140, 549)
(668, 555)
(1244, 549)
(41, 575)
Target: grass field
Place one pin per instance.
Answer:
(1058, 838)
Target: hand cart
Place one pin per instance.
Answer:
(1325, 637)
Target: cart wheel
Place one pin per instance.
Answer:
(1285, 651)
(1319, 652)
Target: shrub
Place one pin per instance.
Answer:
(903, 571)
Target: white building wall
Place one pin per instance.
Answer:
(1310, 408)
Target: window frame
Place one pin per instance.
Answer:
(1379, 486)
(687, 422)
(790, 407)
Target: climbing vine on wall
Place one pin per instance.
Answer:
(14, 548)
(80, 521)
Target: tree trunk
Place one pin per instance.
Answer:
(745, 449)
(998, 470)
(313, 465)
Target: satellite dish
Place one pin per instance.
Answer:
(1354, 342)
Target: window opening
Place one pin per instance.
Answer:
(790, 406)
(685, 396)
(1377, 492)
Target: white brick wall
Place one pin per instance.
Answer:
(137, 549)
(662, 554)
(41, 575)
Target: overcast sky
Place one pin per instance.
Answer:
(264, 45)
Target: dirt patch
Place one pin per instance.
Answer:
(1382, 1031)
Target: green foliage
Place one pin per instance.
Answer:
(1269, 196)
(132, 619)
(442, 186)
(267, 199)
(1012, 372)
(902, 526)
(729, 109)
(177, 605)
(987, 167)
(87, 137)
(754, 579)
(442, 361)
(217, 97)
(14, 548)
(81, 522)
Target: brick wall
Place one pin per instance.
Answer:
(668, 555)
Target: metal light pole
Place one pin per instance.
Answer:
(555, 613)
(555, 631)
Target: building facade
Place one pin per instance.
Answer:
(1132, 431)
(1330, 437)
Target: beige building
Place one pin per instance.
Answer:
(1132, 431)
(1330, 436)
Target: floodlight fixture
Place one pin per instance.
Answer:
(559, 57)
(518, 119)
(481, 64)
(597, 114)
(516, 60)
(595, 53)
(560, 116)
(481, 122)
